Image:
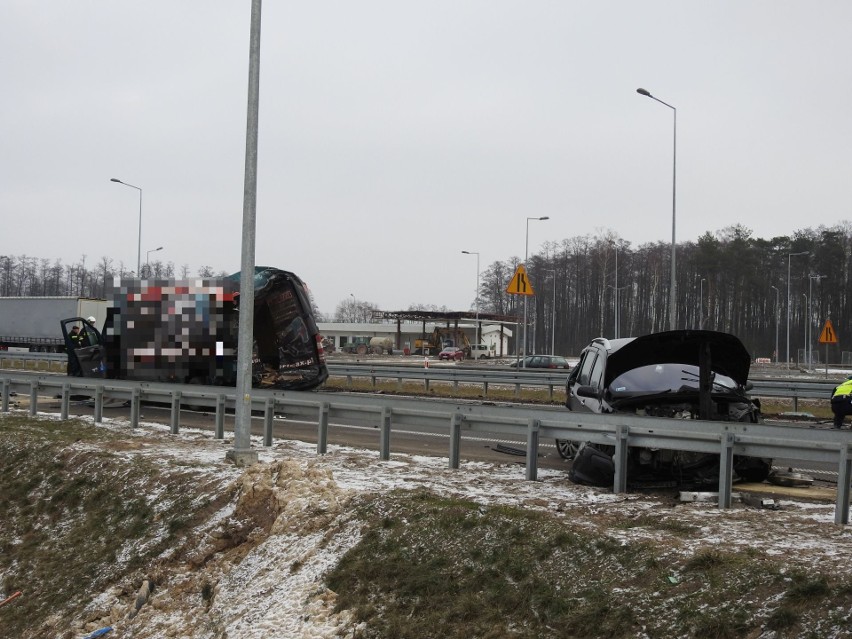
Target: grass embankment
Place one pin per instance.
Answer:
(70, 509)
(429, 566)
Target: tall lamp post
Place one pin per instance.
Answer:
(810, 332)
(148, 259)
(526, 256)
(553, 314)
(673, 290)
(790, 257)
(701, 303)
(139, 242)
(477, 290)
(777, 318)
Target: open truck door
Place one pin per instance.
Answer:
(86, 351)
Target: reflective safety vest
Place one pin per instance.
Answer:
(844, 389)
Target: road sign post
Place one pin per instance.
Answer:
(827, 336)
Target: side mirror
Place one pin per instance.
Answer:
(587, 391)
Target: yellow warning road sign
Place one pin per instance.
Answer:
(828, 336)
(520, 284)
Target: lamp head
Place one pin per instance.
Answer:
(115, 180)
(644, 92)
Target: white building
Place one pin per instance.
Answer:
(339, 334)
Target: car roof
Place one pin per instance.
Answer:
(728, 356)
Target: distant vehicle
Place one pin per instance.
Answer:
(452, 352)
(32, 323)
(541, 361)
(440, 338)
(479, 351)
(687, 374)
(186, 331)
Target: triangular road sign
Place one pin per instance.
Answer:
(828, 336)
(520, 284)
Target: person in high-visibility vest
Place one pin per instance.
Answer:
(841, 402)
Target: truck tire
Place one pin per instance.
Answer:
(362, 349)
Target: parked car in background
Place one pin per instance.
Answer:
(541, 361)
(452, 352)
(479, 351)
(688, 374)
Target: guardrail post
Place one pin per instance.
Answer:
(322, 430)
(7, 389)
(399, 384)
(384, 436)
(65, 402)
(349, 381)
(135, 406)
(485, 389)
(99, 404)
(220, 417)
(33, 398)
(455, 440)
(533, 426)
(517, 391)
(268, 415)
(726, 468)
(844, 474)
(619, 459)
(175, 412)
(550, 392)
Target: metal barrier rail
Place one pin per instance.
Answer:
(782, 388)
(386, 412)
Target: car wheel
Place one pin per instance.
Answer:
(567, 449)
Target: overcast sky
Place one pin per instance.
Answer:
(394, 134)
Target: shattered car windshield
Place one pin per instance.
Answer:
(665, 378)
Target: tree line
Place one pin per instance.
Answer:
(26, 276)
(727, 281)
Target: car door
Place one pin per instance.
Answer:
(89, 357)
(583, 379)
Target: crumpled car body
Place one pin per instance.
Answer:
(687, 374)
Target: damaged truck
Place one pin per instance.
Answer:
(186, 331)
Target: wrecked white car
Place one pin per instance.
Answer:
(688, 374)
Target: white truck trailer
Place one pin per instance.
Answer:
(32, 323)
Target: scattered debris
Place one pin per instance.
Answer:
(509, 450)
(755, 501)
(10, 599)
(790, 478)
(705, 497)
(142, 596)
(98, 633)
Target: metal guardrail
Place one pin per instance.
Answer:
(534, 422)
(782, 388)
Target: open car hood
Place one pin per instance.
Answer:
(727, 353)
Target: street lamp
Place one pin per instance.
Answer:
(790, 257)
(809, 327)
(701, 303)
(148, 259)
(617, 313)
(647, 94)
(139, 242)
(807, 306)
(477, 290)
(777, 318)
(526, 256)
(553, 314)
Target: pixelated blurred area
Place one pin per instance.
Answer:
(187, 331)
(173, 330)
